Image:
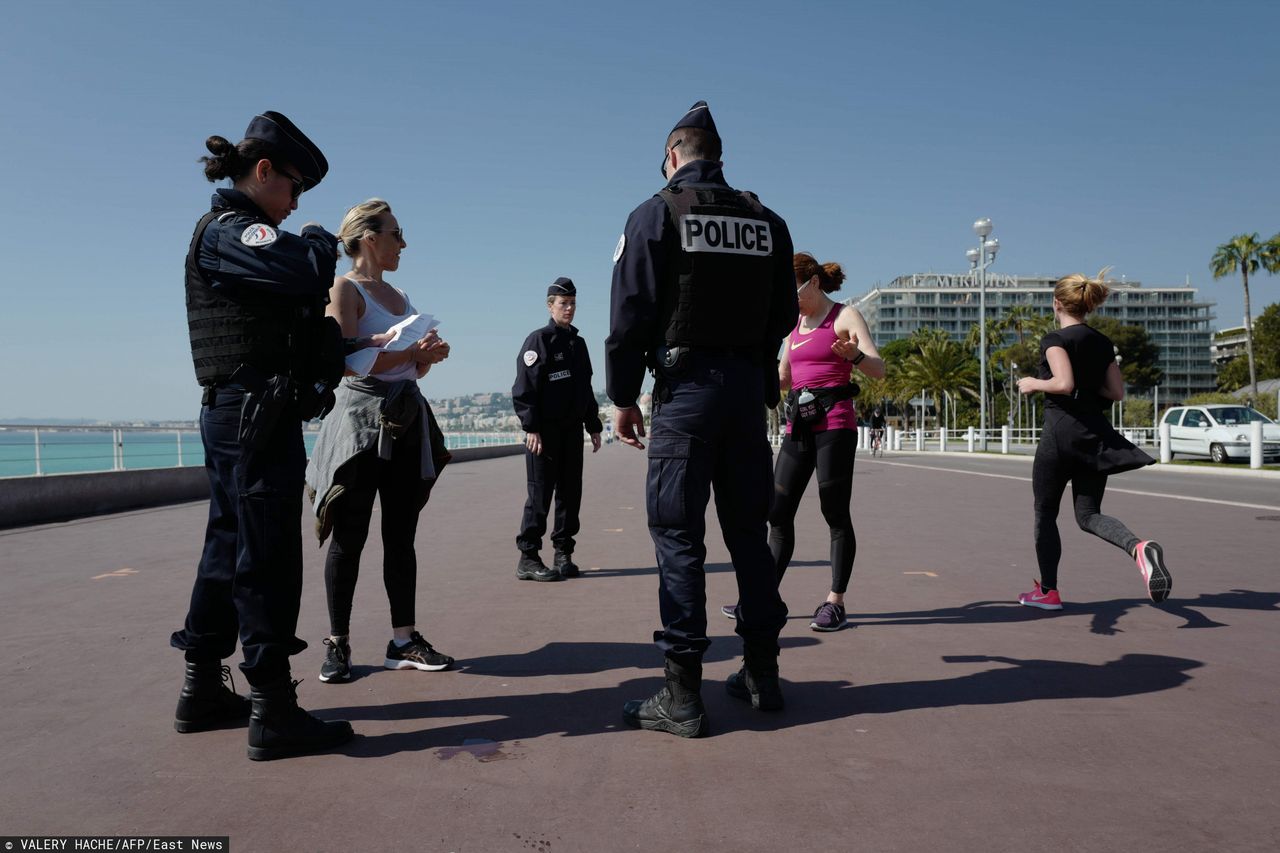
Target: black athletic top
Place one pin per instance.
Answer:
(1091, 353)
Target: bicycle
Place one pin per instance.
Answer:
(877, 442)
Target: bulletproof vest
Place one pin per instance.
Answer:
(724, 269)
(270, 332)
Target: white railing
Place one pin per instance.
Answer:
(40, 449)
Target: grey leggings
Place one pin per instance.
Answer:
(1049, 477)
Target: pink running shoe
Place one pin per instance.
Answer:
(1044, 600)
(1150, 558)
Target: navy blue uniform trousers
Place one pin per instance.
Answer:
(708, 429)
(557, 470)
(249, 582)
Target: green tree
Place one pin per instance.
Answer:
(1244, 254)
(942, 366)
(1139, 355)
(1266, 352)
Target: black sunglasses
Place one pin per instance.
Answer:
(299, 186)
(398, 233)
(666, 152)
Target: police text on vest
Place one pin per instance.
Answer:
(729, 234)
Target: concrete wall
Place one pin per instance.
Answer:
(59, 497)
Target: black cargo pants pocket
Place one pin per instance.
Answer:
(667, 488)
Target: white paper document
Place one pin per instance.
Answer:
(410, 330)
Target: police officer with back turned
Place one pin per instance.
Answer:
(703, 293)
(266, 356)
(553, 399)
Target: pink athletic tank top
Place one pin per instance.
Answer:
(814, 365)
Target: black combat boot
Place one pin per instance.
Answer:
(205, 702)
(278, 728)
(676, 708)
(565, 566)
(531, 568)
(757, 681)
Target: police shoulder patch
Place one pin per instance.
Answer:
(622, 244)
(530, 357)
(258, 235)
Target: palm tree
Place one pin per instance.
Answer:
(942, 366)
(1245, 253)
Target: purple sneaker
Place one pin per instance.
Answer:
(828, 617)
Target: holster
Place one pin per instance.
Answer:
(265, 398)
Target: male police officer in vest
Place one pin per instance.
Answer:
(704, 293)
(264, 353)
(553, 398)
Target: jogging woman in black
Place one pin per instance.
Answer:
(1080, 378)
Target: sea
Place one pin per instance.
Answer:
(71, 451)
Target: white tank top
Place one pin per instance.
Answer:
(377, 320)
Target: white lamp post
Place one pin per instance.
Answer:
(979, 259)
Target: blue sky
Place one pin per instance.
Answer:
(512, 140)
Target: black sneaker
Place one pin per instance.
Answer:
(336, 668)
(531, 568)
(416, 654)
(565, 566)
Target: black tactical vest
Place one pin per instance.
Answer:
(270, 332)
(724, 272)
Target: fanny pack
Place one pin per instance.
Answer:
(810, 406)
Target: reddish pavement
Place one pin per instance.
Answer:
(947, 718)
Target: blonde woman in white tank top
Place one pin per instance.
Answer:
(364, 303)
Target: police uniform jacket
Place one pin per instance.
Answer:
(256, 294)
(644, 265)
(553, 381)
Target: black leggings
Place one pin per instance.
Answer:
(831, 453)
(402, 492)
(1049, 477)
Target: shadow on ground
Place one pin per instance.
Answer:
(1105, 615)
(598, 710)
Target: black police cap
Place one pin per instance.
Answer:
(292, 144)
(561, 287)
(699, 116)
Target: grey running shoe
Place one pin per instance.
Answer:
(730, 611)
(336, 668)
(1150, 559)
(828, 617)
(417, 654)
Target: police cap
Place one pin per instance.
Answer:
(561, 287)
(699, 116)
(292, 144)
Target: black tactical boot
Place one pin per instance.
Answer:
(278, 728)
(565, 566)
(757, 681)
(676, 708)
(205, 702)
(531, 568)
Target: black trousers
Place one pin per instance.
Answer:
(708, 430)
(1052, 470)
(556, 471)
(831, 454)
(401, 493)
(249, 581)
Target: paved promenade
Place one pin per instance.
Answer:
(945, 718)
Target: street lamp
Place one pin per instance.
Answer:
(979, 259)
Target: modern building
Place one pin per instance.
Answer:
(1176, 319)
(1228, 344)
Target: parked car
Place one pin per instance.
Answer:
(1221, 432)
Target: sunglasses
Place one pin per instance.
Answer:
(299, 187)
(398, 233)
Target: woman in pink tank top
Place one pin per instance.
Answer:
(829, 342)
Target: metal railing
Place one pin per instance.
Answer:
(40, 449)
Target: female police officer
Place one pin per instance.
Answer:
(259, 340)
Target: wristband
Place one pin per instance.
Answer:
(859, 357)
